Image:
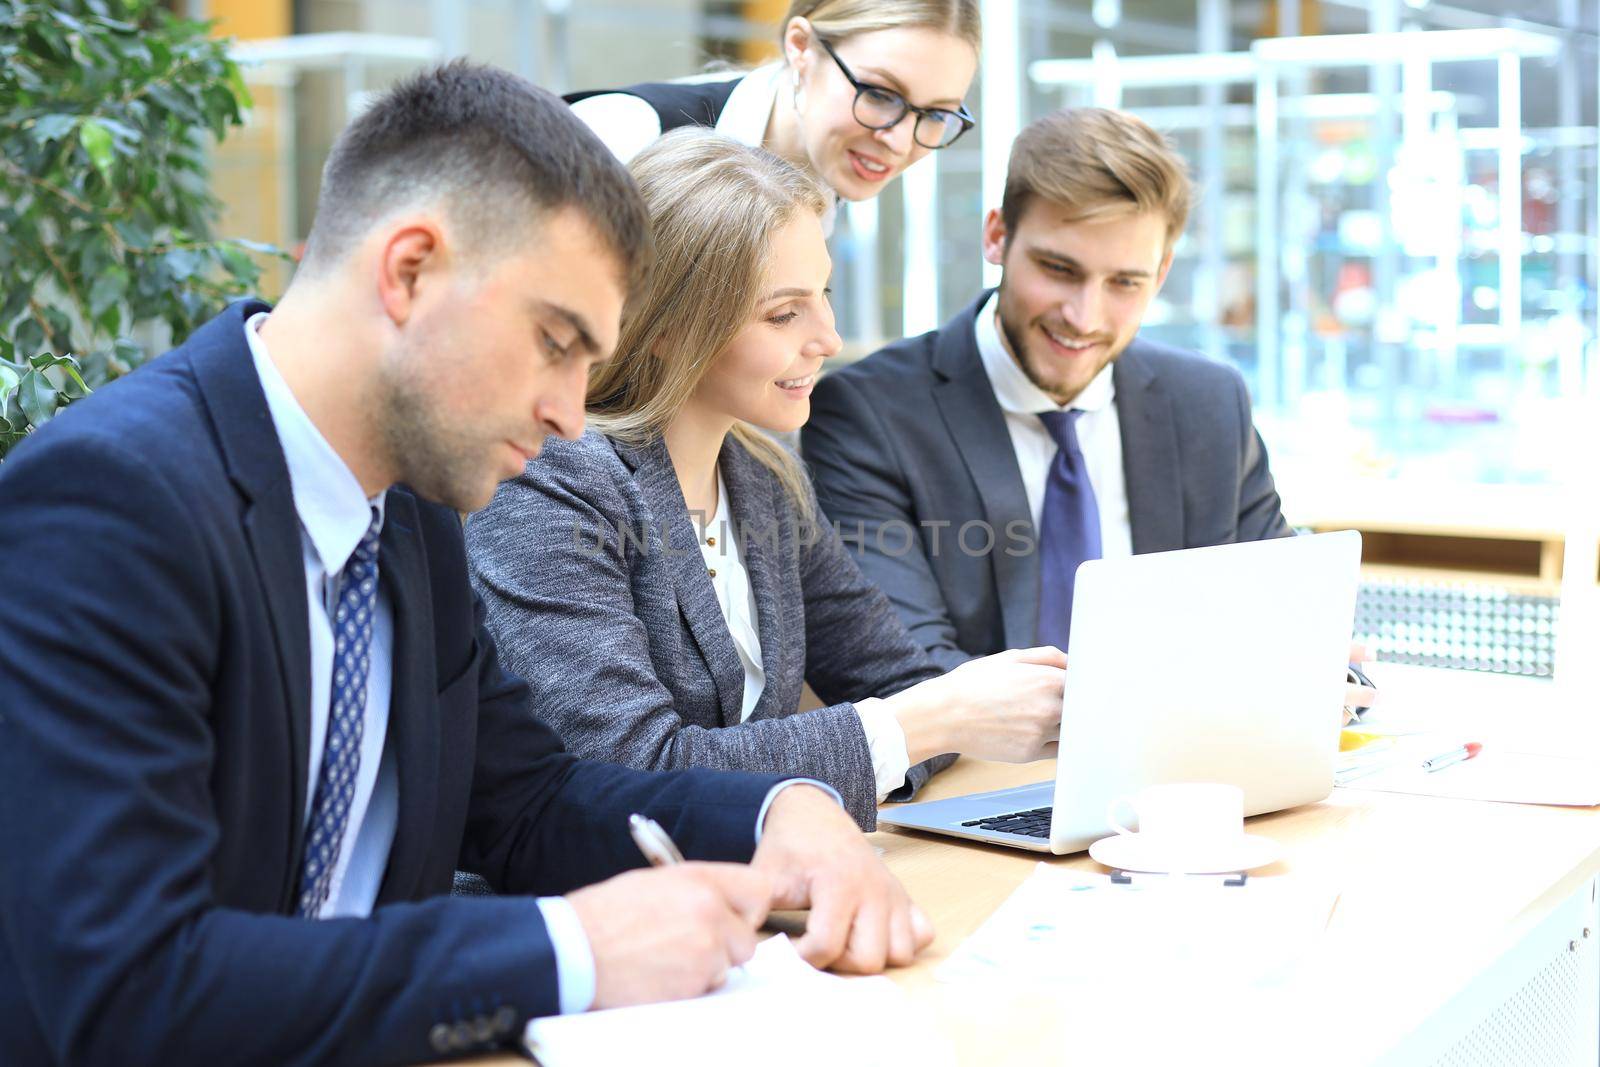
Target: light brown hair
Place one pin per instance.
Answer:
(836, 20)
(714, 205)
(1097, 163)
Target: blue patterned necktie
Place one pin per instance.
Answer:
(341, 753)
(1069, 528)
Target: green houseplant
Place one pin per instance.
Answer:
(108, 110)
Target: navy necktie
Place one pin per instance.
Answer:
(1069, 528)
(347, 712)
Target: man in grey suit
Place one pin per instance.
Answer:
(974, 466)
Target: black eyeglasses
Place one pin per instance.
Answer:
(878, 108)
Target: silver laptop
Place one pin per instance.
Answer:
(1222, 664)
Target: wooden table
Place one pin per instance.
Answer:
(1446, 910)
(1462, 927)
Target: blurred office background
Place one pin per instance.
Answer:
(1395, 240)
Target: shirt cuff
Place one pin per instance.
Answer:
(772, 794)
(574, 957)
(886, 743)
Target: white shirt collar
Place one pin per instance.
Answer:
(1012, 388)
(333, 510)
(748, 111)
(749, 108)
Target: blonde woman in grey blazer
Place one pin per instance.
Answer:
(667, 584)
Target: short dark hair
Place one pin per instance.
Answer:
(489, 144)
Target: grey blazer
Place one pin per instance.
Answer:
(597, 594)
(913, 435)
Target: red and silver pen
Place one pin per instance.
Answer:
(1454, 756)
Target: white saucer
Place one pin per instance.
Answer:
(1135, 852)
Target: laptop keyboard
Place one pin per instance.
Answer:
(1035, 822)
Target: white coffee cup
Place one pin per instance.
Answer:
(1183, 815)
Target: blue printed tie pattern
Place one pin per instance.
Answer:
(341, 754)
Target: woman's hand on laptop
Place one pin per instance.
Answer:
(1002, 707)
(1359, 694)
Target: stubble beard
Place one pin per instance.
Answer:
(437, 461)
(1017, 343)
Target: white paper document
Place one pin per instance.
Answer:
(776, 1009)
(1494, 774)
(1069, 927)
(1535, 739)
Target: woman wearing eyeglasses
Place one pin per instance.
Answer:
(865, 88)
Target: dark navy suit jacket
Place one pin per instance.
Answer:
(154, 691)
(909, 445)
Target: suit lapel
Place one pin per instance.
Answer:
(1149, 456)
(253, 456)
(965, 397)
(752, 506)
(697, 599)
(413, 735)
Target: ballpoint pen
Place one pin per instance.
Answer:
(657, 846)
(653, 841)
(1454, 756)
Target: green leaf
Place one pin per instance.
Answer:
(125, 139)
(9, 380)
(67, 20)
(53, 127)
(107, 290)
(29, 336)
(38, 397)
(96, 141)
(94, 253)
(134, 233)
(241, 92)
(125, 355)
(58, 323)
(182, 263)
(68, 366)
(175, 103)
(76, 388)
(238, 263)
(51, 42)
(16, 299)
(118, 104)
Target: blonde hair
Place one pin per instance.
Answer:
(714, 205)
(837, 19)
(1097, 163)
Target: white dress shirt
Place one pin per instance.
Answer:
(1099, 433)
(334, 515)
(724, 560)
(626, 124)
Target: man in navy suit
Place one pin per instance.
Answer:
(250, 719)
(977, 465)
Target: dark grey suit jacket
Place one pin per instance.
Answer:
(597, 594)
(913, 435)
